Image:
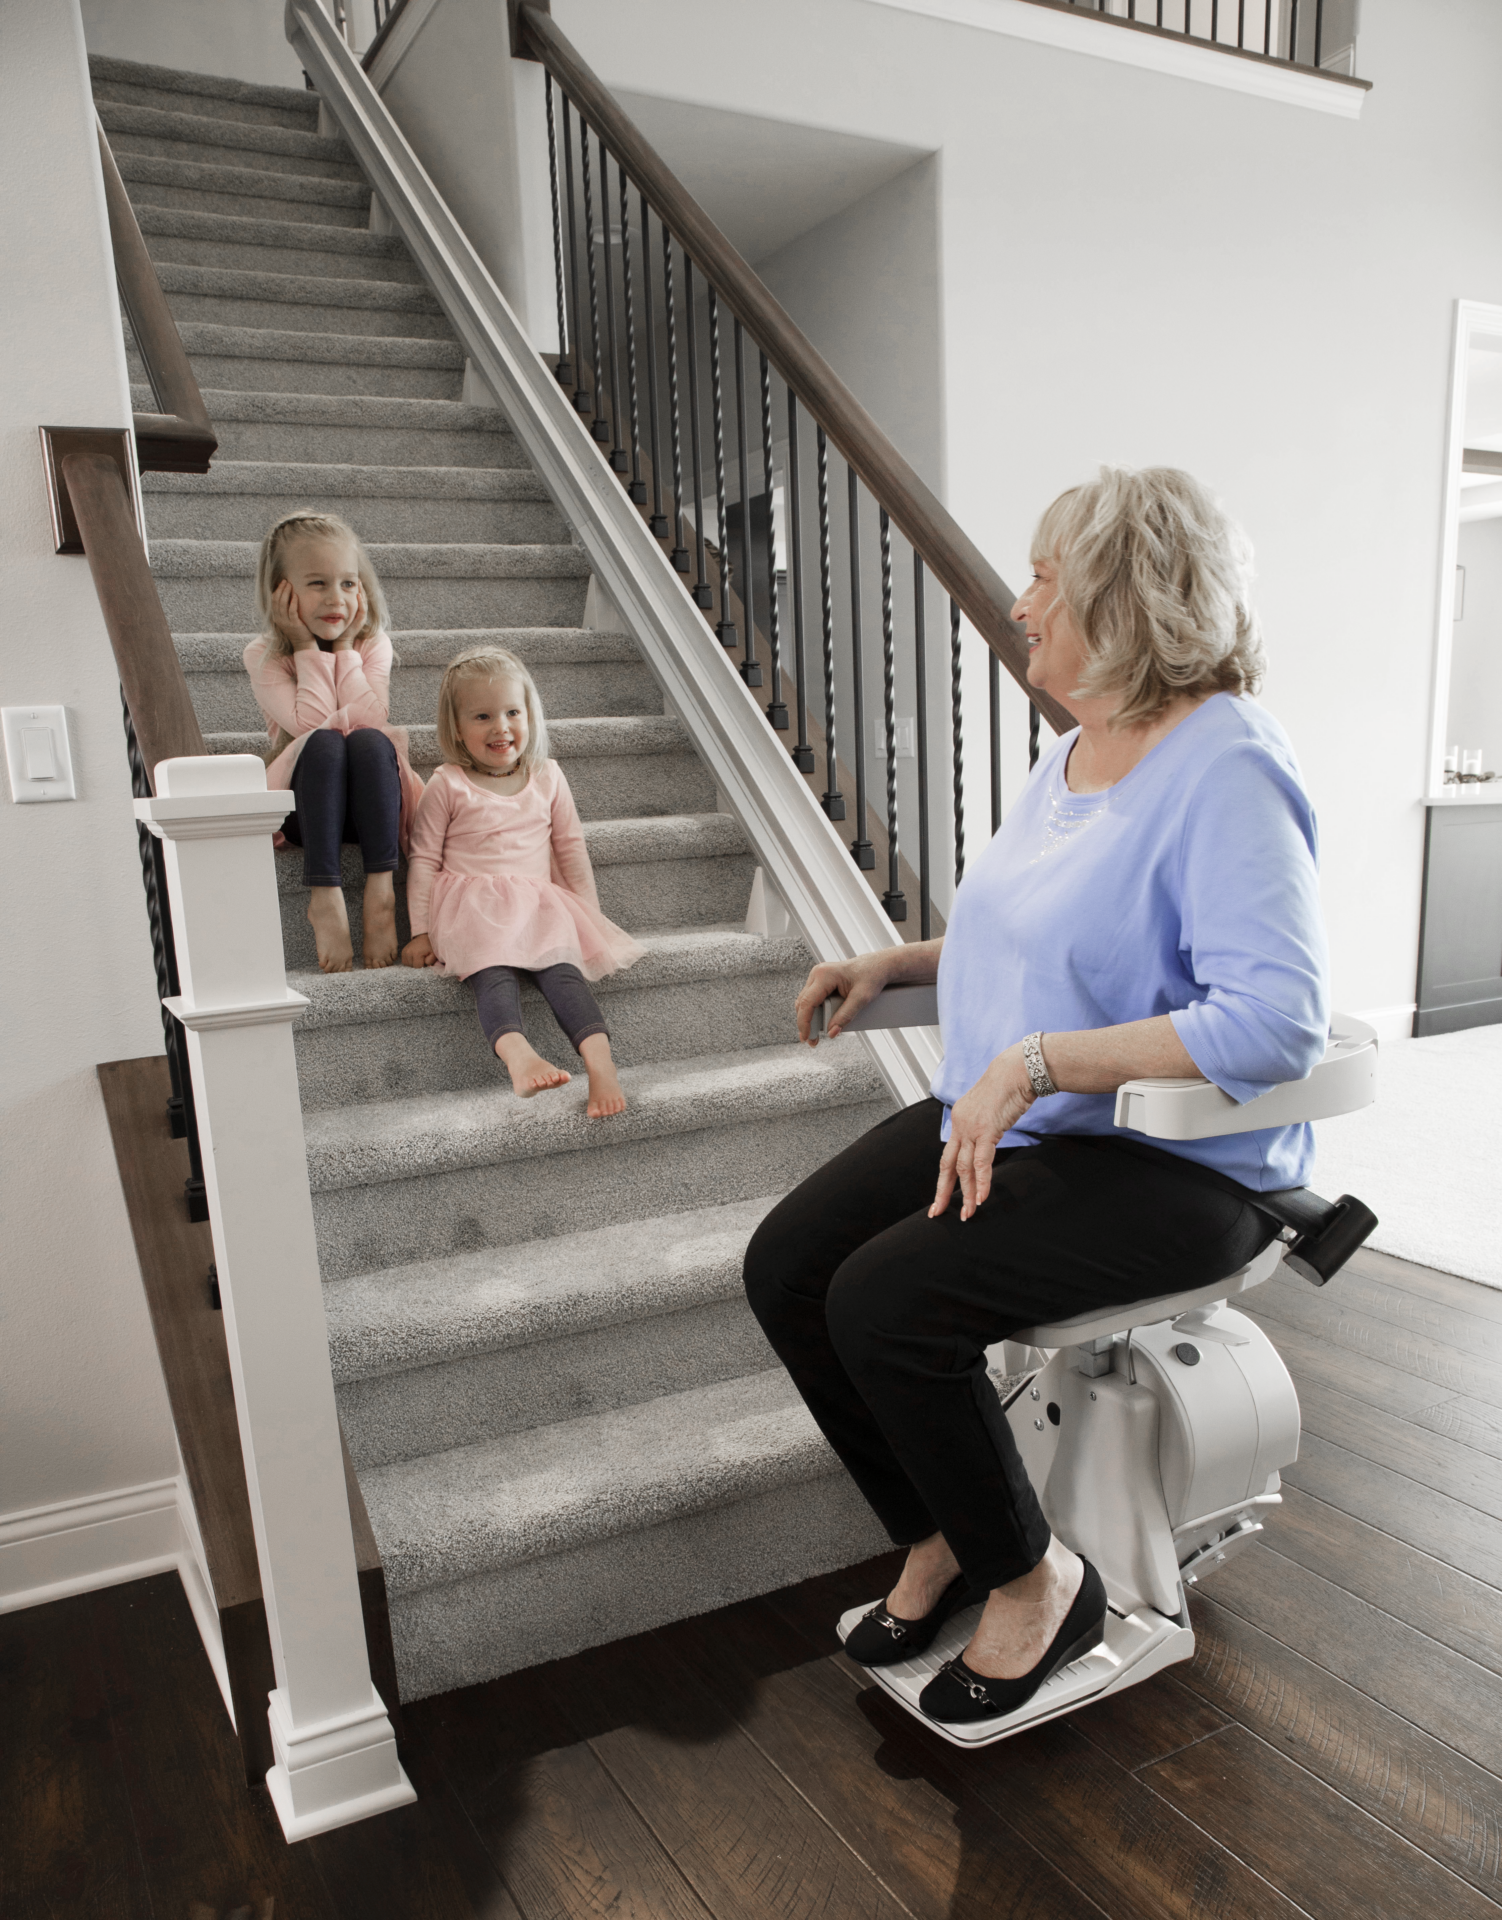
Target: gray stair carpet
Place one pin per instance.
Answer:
(566, 1423)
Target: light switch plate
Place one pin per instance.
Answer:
(38, 755)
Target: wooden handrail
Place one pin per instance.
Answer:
(151, 675)
(947, 550)
(180, 439)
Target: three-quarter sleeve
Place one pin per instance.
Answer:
(570, 856)
(362, 685)
(430, 828)
(1252, 934)
(300, 692)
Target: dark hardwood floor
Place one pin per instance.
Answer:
(1334, 1749)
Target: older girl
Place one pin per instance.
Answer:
(499, 885)
(321, 672)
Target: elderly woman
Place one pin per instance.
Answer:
(1149, 908)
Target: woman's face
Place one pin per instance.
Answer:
(1056, 652)
(492, 717)
(324, 576)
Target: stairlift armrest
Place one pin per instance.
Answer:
(1344, 1081)
(906, 1006)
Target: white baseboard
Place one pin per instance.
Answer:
(104, 1540)
(1390, 1023)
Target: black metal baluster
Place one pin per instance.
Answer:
(777, 711)
(803, 753)
(582, 397)
(920, 669)
(703, 592)
(659, 521)
(680, 552)
(638, 487)
(956, 722)
(725, 631)
(993, 668)
(1267, 27)
(617, 451)
(601, 426)
(563, 369)
(834, 800)
(861, 849)
(750, 665)
(1319, 30)
(1032, 736)
(1293, 29)
(1241, 23)
(893, 899)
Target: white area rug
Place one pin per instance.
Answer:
(1427, 1157)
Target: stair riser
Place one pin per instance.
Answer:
(312, 263)
(224, 702)
(462, 1402)
(474, 1630)
(208, 106)
(365, 446)
(198, 151)
(319, 376)
(227, 310)
(363, 1229)
(246, 516)
(332, 212)
(347, 1066)
(224, 603)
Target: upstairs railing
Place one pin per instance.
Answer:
(728, 429)
(1313, 34)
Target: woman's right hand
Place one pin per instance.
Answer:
(418, 952)
(287, 620)
(855, 982)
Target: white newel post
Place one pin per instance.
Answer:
(336, 1757)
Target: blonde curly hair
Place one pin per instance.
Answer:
(1158, 578)
(489, 663)
(271, 569)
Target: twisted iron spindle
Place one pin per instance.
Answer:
(1032, 736)
(675, 416)
(638, 486)
(750, 665)
(563, 368)
(583, 399)
(600, 426)
(993, 669)
(703, 591)
(920, 669)
(725, 631)
(956, 722)
(803, 753)
(1293, 29)
(777, 711)
(861, 849)
(893, 899)
(617, 451)
(1319, 30)
(834, 800)
(659, 520)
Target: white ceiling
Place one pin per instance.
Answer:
(764, 182)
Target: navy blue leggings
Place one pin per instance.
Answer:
(347, 787)
(498, 999)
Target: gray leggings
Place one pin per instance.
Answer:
(498, 999)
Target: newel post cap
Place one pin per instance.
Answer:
(213, 797)
(210, 773)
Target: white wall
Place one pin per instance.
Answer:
(82, 1409)
(1476, 660)
(1137, 267)
(238, 39)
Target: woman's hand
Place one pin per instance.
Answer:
(418, 952)
(287, 620)
(857, 983)
(977, 1121)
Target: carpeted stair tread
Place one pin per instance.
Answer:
(441, 1133)
(147, 174)
(417, 560)
(586, 739)
(541, 1492)
(472, 1303)
(294, 290)
(209, 340)
(228, 404)
(343, 481)
(433, 647)
(277, 147)
(107, 71)
(279, 237)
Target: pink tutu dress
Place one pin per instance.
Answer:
(504, 880)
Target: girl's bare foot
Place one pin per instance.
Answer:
(379, 916)
(530, 1073)
(330, 922)
(605, 1095)
(1021, 1618)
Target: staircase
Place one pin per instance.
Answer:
(565, 1422)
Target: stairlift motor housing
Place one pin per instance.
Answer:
(1155, 1433)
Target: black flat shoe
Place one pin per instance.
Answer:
(880, 1639)
(956, 1694)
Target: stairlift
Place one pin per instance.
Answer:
(1155, 1433)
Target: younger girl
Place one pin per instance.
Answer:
(321, 671)
(499, 882)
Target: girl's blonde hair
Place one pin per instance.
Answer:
(1158, 579)
(489, 663)
(271, 569)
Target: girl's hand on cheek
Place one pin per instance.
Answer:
(287, 620)
(345, 642)
(977, 1121)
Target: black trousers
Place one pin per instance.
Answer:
(347, 787)
(498, 999)
(883, 1316)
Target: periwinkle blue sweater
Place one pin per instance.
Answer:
(1189, 888)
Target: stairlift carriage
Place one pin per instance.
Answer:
(1155, 1433)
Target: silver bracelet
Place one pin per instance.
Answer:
(1037, 1069)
